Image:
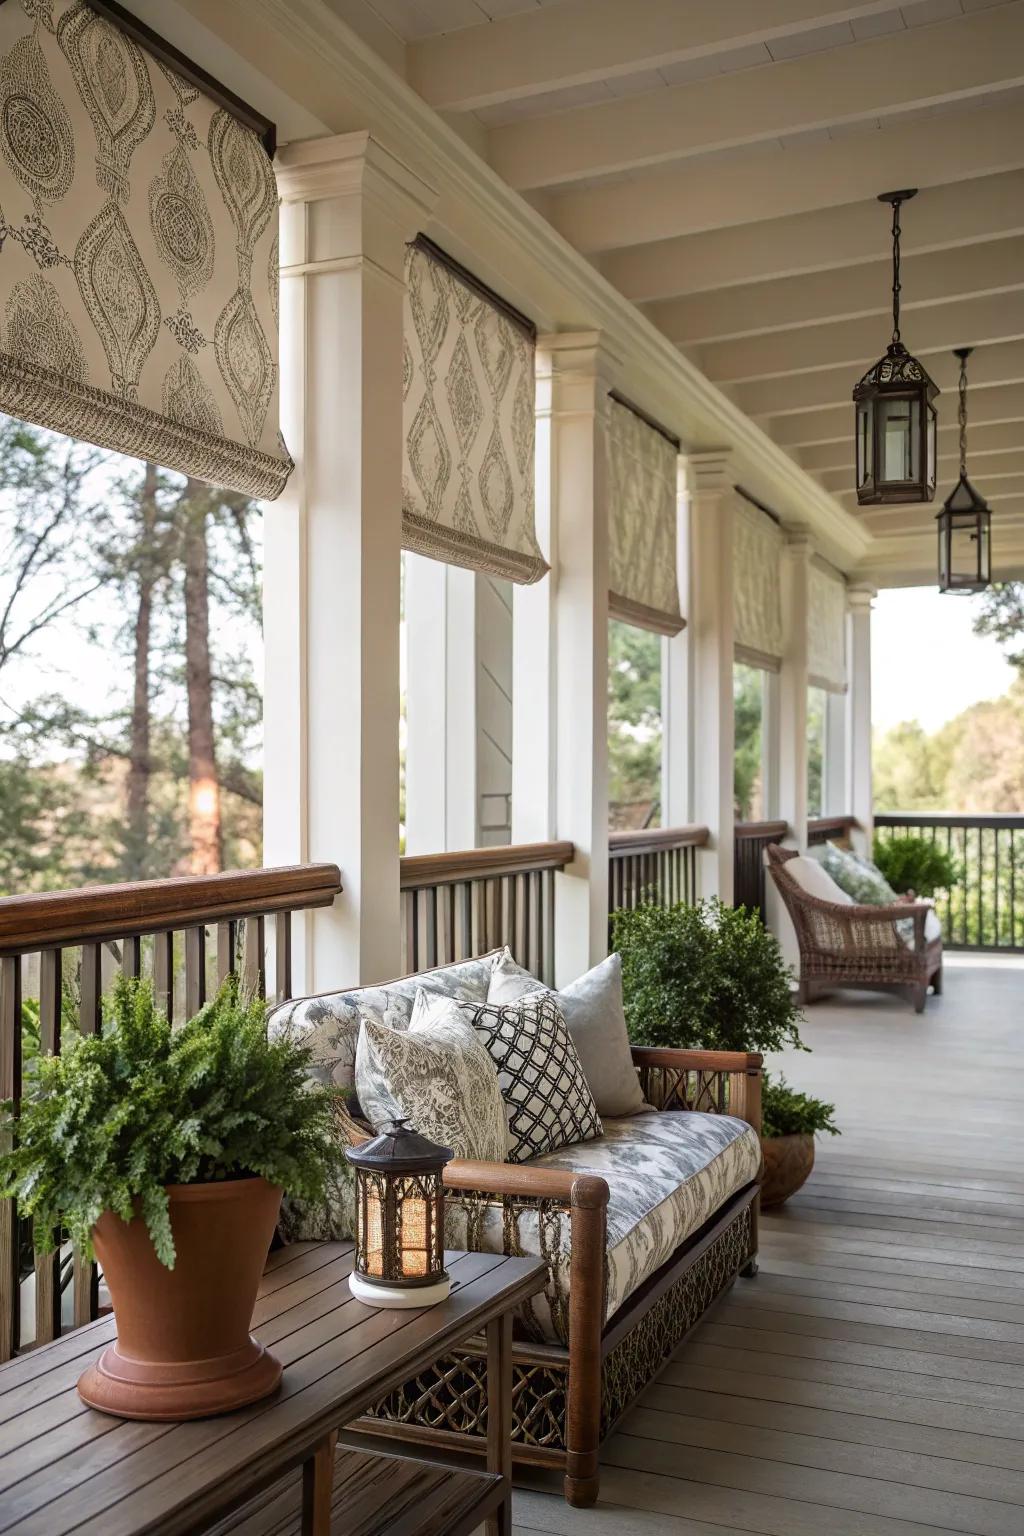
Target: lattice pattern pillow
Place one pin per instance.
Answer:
(548, 1100)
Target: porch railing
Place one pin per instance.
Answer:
(455, 905)
(59, 953)
(985, 909)
(830, 829)
(654, 865)
(751, 838)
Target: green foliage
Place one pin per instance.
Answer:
(915, 864)
(634, 714)
(706, 976)
(785, 1112)
(115, 1117)
(1001, 615)
(748, 710)
(816, 714)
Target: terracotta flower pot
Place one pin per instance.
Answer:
(788, 1161)
(183, 1347)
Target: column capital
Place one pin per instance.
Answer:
(577, 355)
(797, 543)
(709, 472)
(860, 597)
(380, 203)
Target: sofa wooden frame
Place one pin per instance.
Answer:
(567, 1399)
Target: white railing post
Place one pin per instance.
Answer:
(333, 545)
(711, 646)
(858, 713)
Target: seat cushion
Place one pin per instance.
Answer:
(329, 1022)
(666, 1173)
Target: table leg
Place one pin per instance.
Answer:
(318, 1487)
(499, 1417)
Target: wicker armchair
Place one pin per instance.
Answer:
(857, 946)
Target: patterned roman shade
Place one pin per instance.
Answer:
(826, 628)
(642, 472)
(757, 602)
(138, 254)
(468, 420)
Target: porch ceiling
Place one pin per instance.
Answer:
(719, 165)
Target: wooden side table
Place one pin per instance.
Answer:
(274, 1468)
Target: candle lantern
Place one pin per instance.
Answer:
(399, 1258)
(895, 411)
(965, 522)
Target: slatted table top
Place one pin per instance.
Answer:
(65, 1467)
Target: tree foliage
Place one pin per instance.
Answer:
(634, 715)
(117, 1116)
(748, 710)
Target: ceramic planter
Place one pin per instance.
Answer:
(183, 1347)
(788, 1161)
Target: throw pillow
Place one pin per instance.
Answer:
(438, 1076)
(548, 1102)
(816, 881)
(858, 877)
(593, 1011)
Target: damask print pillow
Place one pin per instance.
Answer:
(438, 1076)
(548, 1100)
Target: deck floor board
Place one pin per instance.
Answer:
(870, 1381)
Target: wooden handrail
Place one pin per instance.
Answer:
(825, 824)
(745, 829)
(426, 869)
(99, 912)
(647, 839)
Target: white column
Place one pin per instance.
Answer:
(710, 622)
(575, 373)
(858, 712)
(675, 682)
(333, 545)
(836, 778)
(440, 707)
(792, 783)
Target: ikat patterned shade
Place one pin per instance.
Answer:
(826, 628)
(138, 254)
(642, 469)
(757, 600)
(468, 421)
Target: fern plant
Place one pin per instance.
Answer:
(117, 1116)
(787, 1112)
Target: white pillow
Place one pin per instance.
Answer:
(813, 878)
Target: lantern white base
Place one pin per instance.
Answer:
(399, 1295)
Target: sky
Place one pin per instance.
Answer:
(926, 664)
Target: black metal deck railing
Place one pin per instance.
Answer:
(985, 908)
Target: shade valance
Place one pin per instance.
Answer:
(138, 254)
(757, 602)
(468, 418)
(826, 628)
(642, 471)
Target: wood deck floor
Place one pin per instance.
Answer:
(870, 1381)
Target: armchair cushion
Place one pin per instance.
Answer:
(667, 1173)
(814, 878)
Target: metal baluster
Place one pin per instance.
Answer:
(195, 970)
(283, 956)
(47, 1266)
(86, 1275)
(10, 1088)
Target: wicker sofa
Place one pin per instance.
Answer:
(876, 948)
(635, 1256)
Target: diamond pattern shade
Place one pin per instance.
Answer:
(826, 628)
(138, 254)
(642, 470)
(757, 600)
(468, 421)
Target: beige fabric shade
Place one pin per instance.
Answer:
(757, 601)
(642, 474)
(138, 270)
(826, 628)
(468, 421)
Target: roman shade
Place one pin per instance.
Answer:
(138, 254)
(757, 601)
(826, 628)
(468, 422)
(642, 470)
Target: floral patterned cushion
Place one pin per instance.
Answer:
(330, 1022)
(858, 877)
(438, 1076)
(667, 1174)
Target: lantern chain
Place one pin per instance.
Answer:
(896, 269)
(963, 417)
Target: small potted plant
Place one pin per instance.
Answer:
(789, 1122)
(163, 1153)
(707, 976)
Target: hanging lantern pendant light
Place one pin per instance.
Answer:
(895, 417)
(965, 522)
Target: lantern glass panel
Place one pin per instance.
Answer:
(899, 425)
(932, 423)
(415, 1231)
(865, 455)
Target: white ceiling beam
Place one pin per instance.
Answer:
(583, 40)
(1009, 467)
(994, 441)
(818, 298)
(900, 517)
(756, 184)
(952, 216)
(812, 394)
(923, 67)
(859, 343)
(824, 438)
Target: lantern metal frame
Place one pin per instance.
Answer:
(964, 511)
(897, 378)
(397, 1170)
